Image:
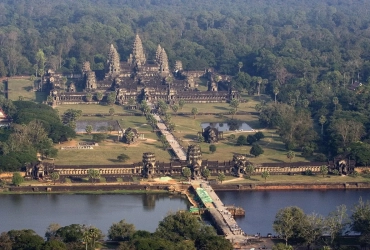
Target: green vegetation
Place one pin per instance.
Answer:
(24, 89)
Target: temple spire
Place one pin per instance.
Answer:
(163, 62)
(113, 61)
(138, 56)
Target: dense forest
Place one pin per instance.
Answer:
(311, 57)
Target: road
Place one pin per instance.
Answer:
(175, 145)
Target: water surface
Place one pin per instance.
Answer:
(37, 212)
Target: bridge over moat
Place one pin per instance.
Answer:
(221, 217)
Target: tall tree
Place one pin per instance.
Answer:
(287, 222)
(186, 172)
(194, 112)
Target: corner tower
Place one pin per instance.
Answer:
(113, 62)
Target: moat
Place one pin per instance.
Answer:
(146, 210)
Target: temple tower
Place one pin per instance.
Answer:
(148, 164)
(194, 159)
(138, 57)
(90, 80)
(113, 62)
(164, 69)
(158, 54)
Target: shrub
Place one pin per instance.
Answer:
(242, 140)
(308, 172)
(259, 136)
(251, 139)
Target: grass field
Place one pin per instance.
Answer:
(92, 108)
(24, 88)
(202, 108)
(186, 131)
(106, 153)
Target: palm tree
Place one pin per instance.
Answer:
(290, 155)
(324, 170)
(265, 175)
(89, 97)
(322, 121)
(259, 82)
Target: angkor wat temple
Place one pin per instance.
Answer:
(141, 79)
(150, 167)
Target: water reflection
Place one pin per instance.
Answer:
(149, 201)
(229, 126)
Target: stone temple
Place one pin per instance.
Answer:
(140, 79)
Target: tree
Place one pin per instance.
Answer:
(251, 139)
(25, 239)
(71, 233)
(200, 138)
(212, 148)
(312, 228)
(335, 102)
(123, 157)
(17, 179)
(99, 137)
(183, 226)
(111, 112)
(249, 170)
(70, 117)
(324, 170)
(336, 222)
(240, 65)
(265, 175)
(290, 155)
(93, 174)
(181, 104)
(99, 96)
(175, 108)
(55, 176)
(322, 121)
(242, 140)
(121, 231)
(89, 97)
(194, 112)
(360, 220)
(93, 234)
(234, 104)
(51, 231)
(164, 142)
(88, 129)
(256, 150)
(221, 177)
(111, 98)
(206, 173)
(186, 172)
(259, 135)
(54, 245)
(232, 112)
(287, 222)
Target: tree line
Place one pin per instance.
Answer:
(315, 231)
(178, 231)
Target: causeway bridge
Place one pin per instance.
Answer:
(222, 218)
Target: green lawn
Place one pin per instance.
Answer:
(23, 88)
(220, 107)
(107, 152)
(92, 108)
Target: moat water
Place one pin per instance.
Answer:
(228, 126)
(146, 210)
